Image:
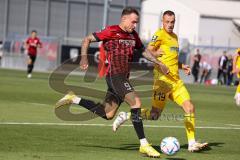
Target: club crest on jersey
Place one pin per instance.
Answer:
(154, 38)
(127, 42)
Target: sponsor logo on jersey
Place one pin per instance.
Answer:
(172, 49)
(127, 42)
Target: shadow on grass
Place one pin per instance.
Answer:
(129, 147)
(122, 147)
(136, 146)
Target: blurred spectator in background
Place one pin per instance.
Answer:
(22, 49)
(206, 71)
(222, 68)
(1, 52)
(196, 65)
(184, 51)
(229, 70)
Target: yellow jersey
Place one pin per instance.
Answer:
(238, 65)
(168, 43)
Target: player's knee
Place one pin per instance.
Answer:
(137, 103)
(29, 62)
(109, 116)
(188, 107)
(133, 100)
(191, 108)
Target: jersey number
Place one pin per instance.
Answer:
(159, 96)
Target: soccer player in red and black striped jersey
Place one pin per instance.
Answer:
(31, 44)
(119, 42)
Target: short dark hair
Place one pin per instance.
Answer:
(129, 10)
(168, 12)
(35, 31)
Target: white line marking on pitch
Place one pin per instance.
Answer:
(109, 125)
(234, 125)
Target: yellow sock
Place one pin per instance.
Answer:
(189, 122)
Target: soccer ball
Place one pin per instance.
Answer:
(170, 145)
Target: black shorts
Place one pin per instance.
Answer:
(32, 57)
(118, 87)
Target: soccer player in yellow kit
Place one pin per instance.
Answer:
(168, 85)
(236, 70)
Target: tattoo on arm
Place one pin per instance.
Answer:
(148, 55)
(85, 44)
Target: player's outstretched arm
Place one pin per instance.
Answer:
(149, 54)
(84, 50)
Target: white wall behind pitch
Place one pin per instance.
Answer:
(218, 32)
(187, 20)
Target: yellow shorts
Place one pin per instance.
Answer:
(163, 90)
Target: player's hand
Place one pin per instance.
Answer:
(84, 63)
(154, 114)
(39, 46)
(186, 69)
(164, 69)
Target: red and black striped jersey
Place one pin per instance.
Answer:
(33, 43)
(119, 47)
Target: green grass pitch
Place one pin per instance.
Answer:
(30, 130)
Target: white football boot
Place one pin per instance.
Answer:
(195, 147)
(121, 118)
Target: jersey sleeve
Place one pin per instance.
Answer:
(156, 40)
(139, 45)
(103, 35)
